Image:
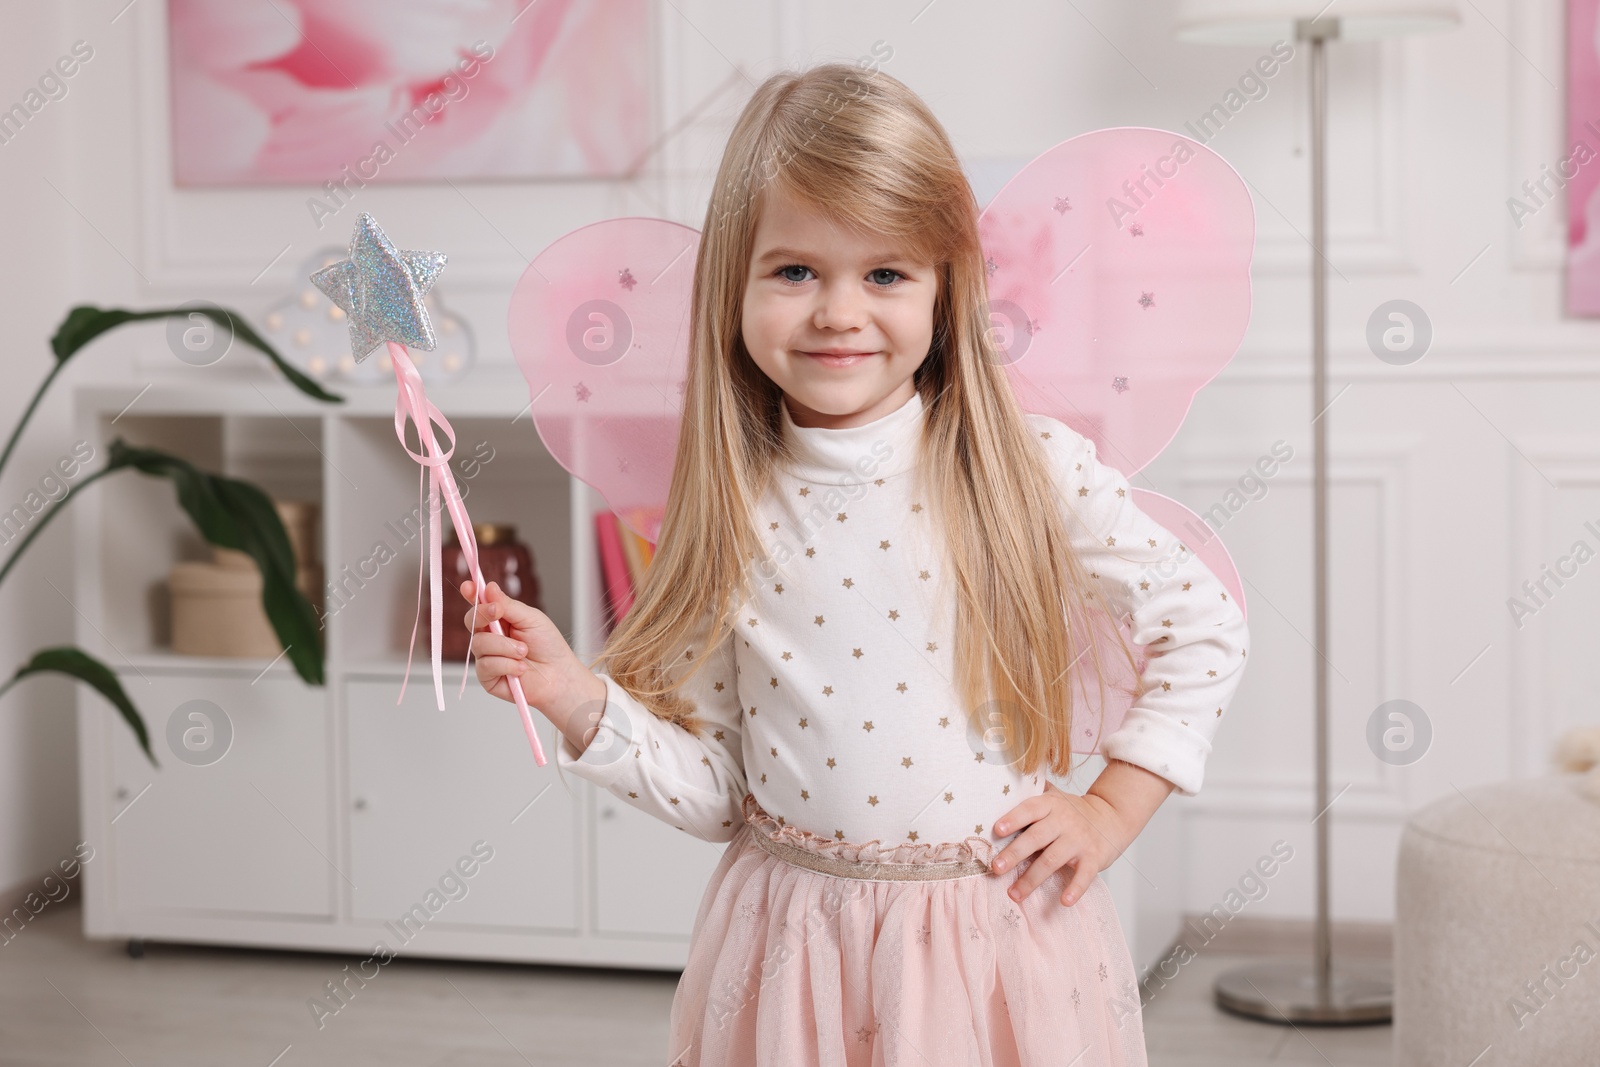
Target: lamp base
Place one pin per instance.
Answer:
(1286, 992)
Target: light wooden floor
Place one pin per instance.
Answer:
(68, 1001)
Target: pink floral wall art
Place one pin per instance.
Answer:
(347, 91)
(1578, 168)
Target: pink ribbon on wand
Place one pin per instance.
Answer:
(411, 402)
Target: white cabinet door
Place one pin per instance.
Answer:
(649, 876)
(236, 818)
(427, 785)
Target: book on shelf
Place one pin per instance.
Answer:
(624, 557)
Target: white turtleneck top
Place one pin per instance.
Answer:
(833, 700)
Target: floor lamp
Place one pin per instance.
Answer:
(1312, 990)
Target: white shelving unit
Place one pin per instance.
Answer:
(335, 812)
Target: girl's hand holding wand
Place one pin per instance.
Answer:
(1088, 832)
(533, 651)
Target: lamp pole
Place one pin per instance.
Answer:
(1291, 992)
(1318, 35)
(1299, 990)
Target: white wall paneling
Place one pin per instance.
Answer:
(1554, 525)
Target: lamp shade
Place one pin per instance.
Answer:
(1265, 21)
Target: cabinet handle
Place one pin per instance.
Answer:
(608, 813)
(360, 804)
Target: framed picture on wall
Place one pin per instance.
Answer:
(267, 92)
(1578, 168)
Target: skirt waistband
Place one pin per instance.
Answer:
(824, 858)
(893, 872)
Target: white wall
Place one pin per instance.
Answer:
(1452, 479)
(38, 279)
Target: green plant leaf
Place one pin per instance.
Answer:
(85, 668)
(235, 514)
(86, 322)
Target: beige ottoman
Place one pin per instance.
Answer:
(1497, 928)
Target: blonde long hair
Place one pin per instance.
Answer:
(879, 161)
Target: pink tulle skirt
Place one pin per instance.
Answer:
(824, 953)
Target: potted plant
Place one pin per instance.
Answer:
(228, 512)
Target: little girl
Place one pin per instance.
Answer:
(853, 656)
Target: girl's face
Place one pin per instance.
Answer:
(815, 288)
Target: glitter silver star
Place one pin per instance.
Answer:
(380, 289)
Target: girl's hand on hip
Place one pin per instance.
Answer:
(1064, 829)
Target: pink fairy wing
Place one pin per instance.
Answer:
(1097, 720)
(1196, 535)
(1119, 283)
(599, 324)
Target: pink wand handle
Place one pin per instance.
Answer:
(414, 404)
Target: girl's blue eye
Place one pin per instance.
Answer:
(782, 273)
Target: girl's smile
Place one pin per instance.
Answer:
(840, 358)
